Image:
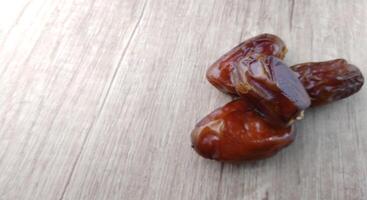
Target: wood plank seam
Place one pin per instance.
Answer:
(291, 14)
(103, 101)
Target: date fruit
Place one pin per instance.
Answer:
(219, 73)
(268, 83)
(272, 96)
(329, 81)
(236, 132)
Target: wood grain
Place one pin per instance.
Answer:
(98, 99)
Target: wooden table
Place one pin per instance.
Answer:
(98, 98)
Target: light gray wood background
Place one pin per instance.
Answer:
(98, 98)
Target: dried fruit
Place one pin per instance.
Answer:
(329, 81)
(236, 132)
(219, 73)
(272, 87)
(273, 95)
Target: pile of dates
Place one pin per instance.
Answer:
(271, 97)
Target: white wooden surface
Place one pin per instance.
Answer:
(98, 98)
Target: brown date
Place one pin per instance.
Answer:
(236, 132)
(219, 73)
(329, 81)
(273, 95)
(268, 83)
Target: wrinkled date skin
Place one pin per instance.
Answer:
(268, 83)
(273, 95)
(329, 81)
(219, 73)
(235, 132)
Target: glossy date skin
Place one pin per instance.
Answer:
(235, 132)
(219, 73)
(274, 89)
(329, 81)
